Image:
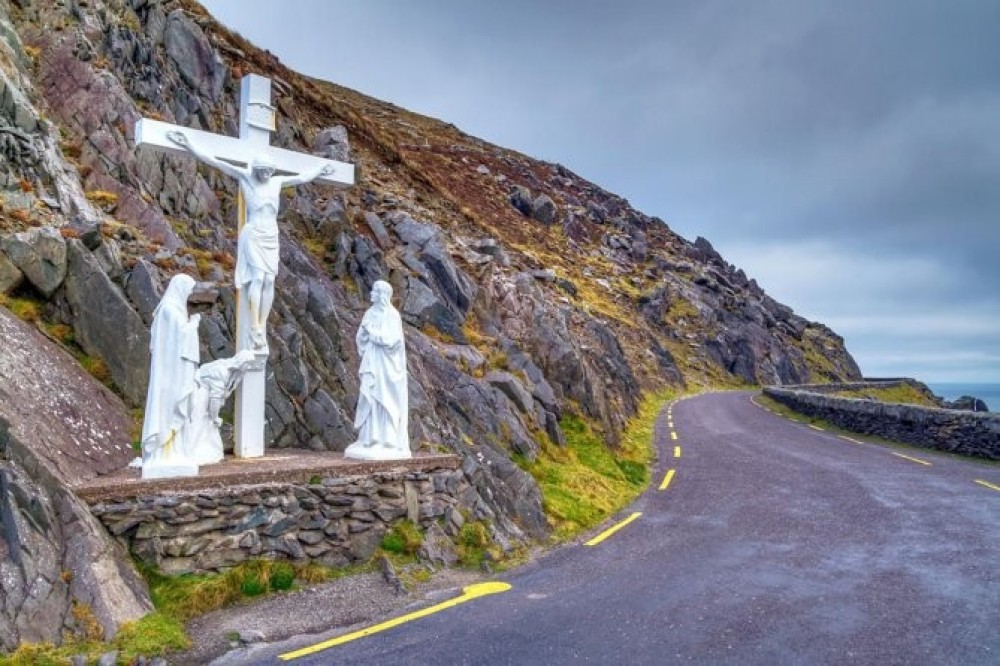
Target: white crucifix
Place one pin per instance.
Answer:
(262, 171)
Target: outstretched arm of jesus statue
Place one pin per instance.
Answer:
(308, 176)
(182, 140)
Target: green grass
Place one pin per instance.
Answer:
(176, 599)
(473, 543)
(404, 538)
(154, 635)
(585, 482)
(24, 308)
(905, 393)
(190, 595)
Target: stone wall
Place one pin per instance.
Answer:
(968, 433)
(867, 383)
(334, 520)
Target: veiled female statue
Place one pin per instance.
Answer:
(174, 360)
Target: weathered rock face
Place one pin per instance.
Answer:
(40, 255)
(967, 403)
(106, 325)
(57, 426)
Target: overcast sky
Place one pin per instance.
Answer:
(844, 153)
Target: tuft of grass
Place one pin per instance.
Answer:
(189, 595)
(311, 572)
(404, 538)
(282, 577)
(101, 197)
(97, 368)
(473, 543)
(24, 308)
(316, 247)
(86, 622)
(585, 482)
(153, 635)
(36, 654)
(63, 333)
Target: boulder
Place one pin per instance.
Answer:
(410, 231)
(40, 254)
(105, 325)
(543, 209)
(197, 61)
(378, 230)
(490, 247)
(437, 547)
(11, 276)
(456, 287)
(520, 198)
(969, 403)
(332, 143)
(512, 388)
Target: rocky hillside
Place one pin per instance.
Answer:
(527, 291)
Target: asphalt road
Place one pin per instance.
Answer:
(772, 543)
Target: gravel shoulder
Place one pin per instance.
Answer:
(343, 603)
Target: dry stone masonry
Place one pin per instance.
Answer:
(955, 431)
(334, 520)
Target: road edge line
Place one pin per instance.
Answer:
(611, 530)
(469, 593)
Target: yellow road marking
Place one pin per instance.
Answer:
(468, 593)
(910, 458)
(845, 437)
(815, 427)
(677, 452)
(611, 530)
(667, 479)
(987, 484)
(673, 435)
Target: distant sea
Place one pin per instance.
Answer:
(988, 393)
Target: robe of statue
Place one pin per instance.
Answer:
(382, 415)
(173, 362)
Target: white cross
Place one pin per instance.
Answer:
(257, 121)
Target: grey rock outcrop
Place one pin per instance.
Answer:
(968, 403)
(104, 323)
(55, 555)
(543, 209)
(11, 276)
(197, 61)
(332, 143)
(520, 198)
(40, 254)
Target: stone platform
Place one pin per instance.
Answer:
(281, 466)
(291, 504)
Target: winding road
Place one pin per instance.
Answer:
(760, 541)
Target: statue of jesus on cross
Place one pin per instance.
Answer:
(256, 165)
(257, 250)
